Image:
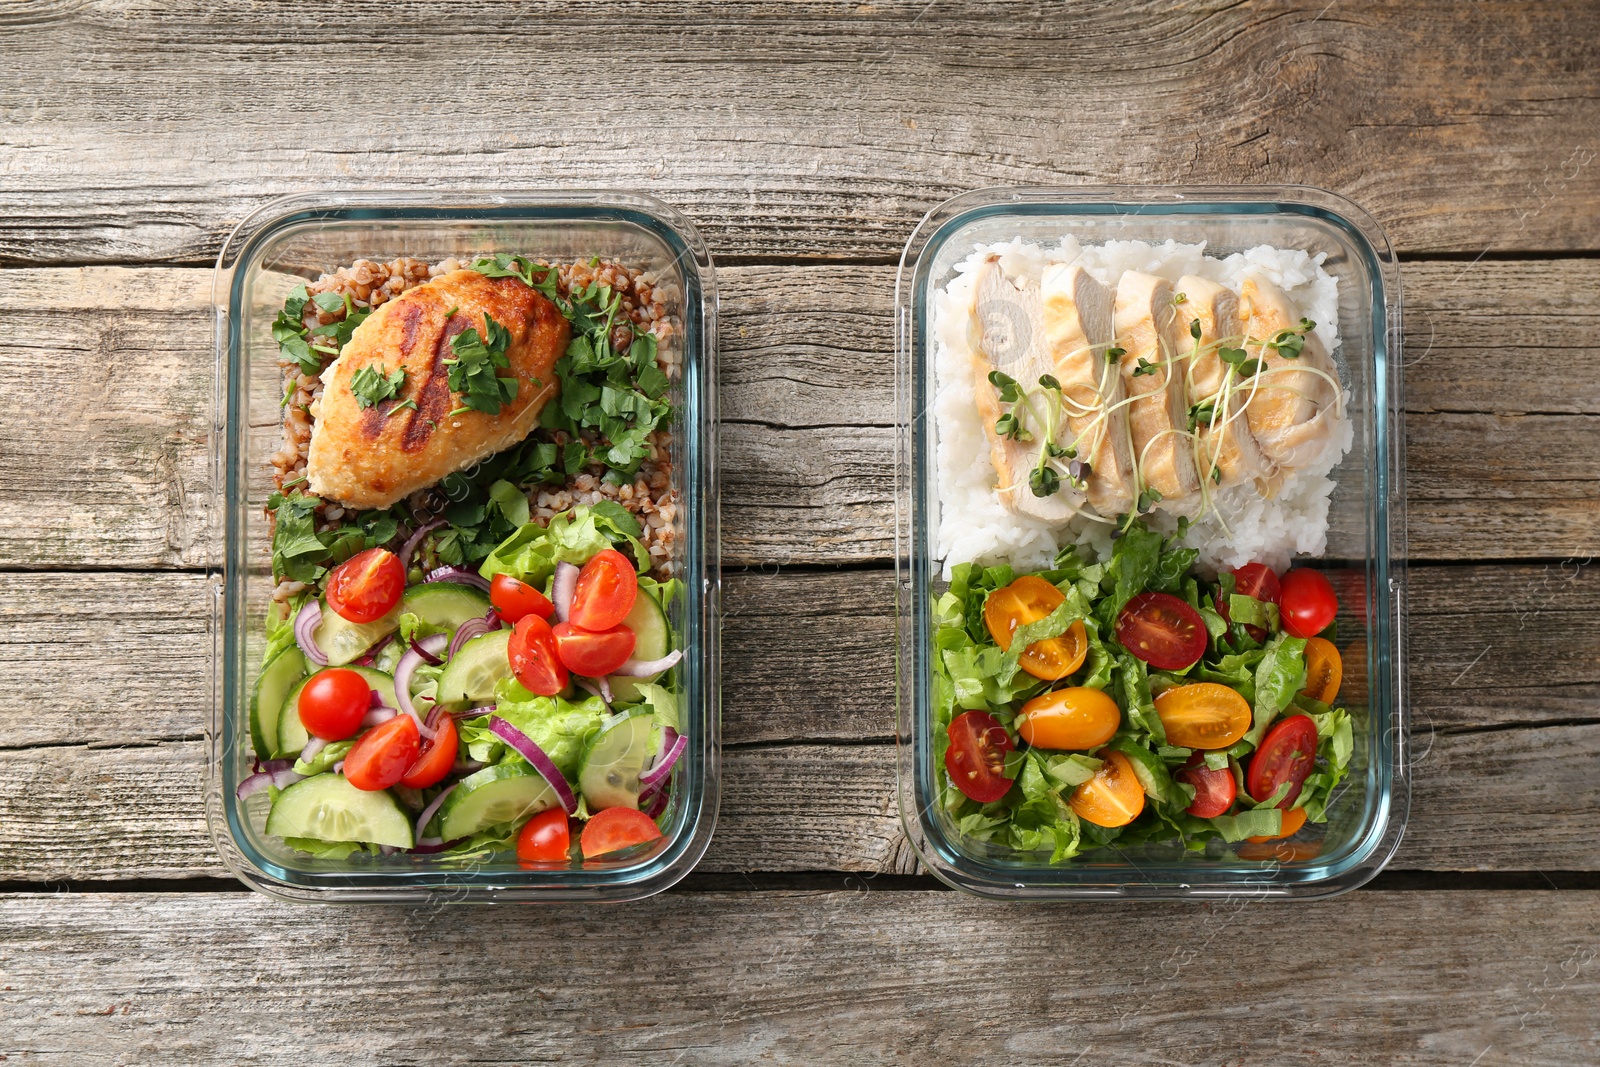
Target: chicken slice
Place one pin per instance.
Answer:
(1078, 325)
(371, 457)
(1225, 444)
(1008, 335)
(1148, 332)
(1294, 409)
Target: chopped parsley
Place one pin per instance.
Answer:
(372, 385)
(311, 347)
(474, 370)
(302, 553)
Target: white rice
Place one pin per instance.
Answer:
(973, 526)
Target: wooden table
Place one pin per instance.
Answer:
(805, 141)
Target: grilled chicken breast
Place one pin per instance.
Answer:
(1147, 329)
(1009, 336)
(1230, 449)
(1078, 325)
(371, 457)
(1293, 411)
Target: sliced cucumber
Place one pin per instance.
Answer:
(326, 807)
(444, 604)
(343, 641)
(292, 733)
(473, 672)
(648, 621)
(494, 795)
(278, 678)
(616, 756)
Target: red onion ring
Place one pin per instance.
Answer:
(416, 539)
(338, 767)
(460, 575)
(466, 632)
(536, 756)
(433, 806)
(645, 668)
(588, 685)
(378, 715)
(402, 677)
(658, 804)
(561, 590)
(313, 746)
(427, 657)
(305, 624)
(673, 744)
(372, 653)
(277, 772)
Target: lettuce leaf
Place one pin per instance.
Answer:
(532, 552)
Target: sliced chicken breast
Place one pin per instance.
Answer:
(1079, 328)
(1148, 331)
(1294, 407)
(1009, 336)
(1226, 451)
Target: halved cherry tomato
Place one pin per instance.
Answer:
(532, 652)
(1162, 630)
(1257, 580)
(976, 758)
(1203, 715)
(333, 703)
(1113, 797)
(436, 757)
(1287, 754)
(1324, 670)
(1214, 788)
(1029, 599)
(614, 829)
(1282, 851)
(546, 838)
(367, 586)
(593, 655)
(1293, 820)
(1076, 719)
(381, 756)
(607, 587)
(512, 599)
(1307, 604)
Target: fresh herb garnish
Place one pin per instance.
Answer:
(1146, 367)
(1289, 343)
(1008, 426)
(1114, 353)
(302, 553)
(1194, 329)
(1204, 411)
(1007, 386)
(1149, 499)
(402, 406)
(533, 275)
(1236, 358)
(1044, 481)
(475, 366)
(372, 385)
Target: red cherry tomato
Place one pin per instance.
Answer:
(513, 599)
(1257, 580)
(607, 587)
(1307, 603)
(1214, 790)
(976, 758)
(436, 757)
(1162, 630)
(614, 829)
(333, 703)
(380, 756)
(532, 652)
(593, 655)
(545, 838)
(367, 586)
(1287, 754)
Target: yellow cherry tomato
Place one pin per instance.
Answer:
(1075, 719)
(1026, 600)
(1113, 797)
(1203, 715)
(1324, 670)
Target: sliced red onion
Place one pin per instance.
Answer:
(466, 632)
(305, 624)
(473, 713)
(427, 657)
(338, 768)
(406, 668)
(467, 766)
(372, 653)
(313, 746)
(561, 591)
(377, 715)
(588, 685)
(277, 772)
(605, 688)
(387, 850)
(432, 722)
(645, 668)
(536, 756)
(429, 845)
(673, 745)
(658, 804)
(416, 539)
(460, 575)
(433, 806)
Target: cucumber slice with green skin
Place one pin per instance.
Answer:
(444, 604)
(279, 677)
(616, 756)
(326, 807)
(473, 672)
(504, 793)
(653, 633)
(292, 733)
(343, 641)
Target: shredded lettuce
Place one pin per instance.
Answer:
(531, 554)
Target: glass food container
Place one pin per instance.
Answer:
(294, 240)
(1365, 555)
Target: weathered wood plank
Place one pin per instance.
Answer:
(807, 389)
(846, 977)
(809, 130)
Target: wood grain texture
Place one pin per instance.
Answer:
(792, 130)
(855, 976)
(1497, 468)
